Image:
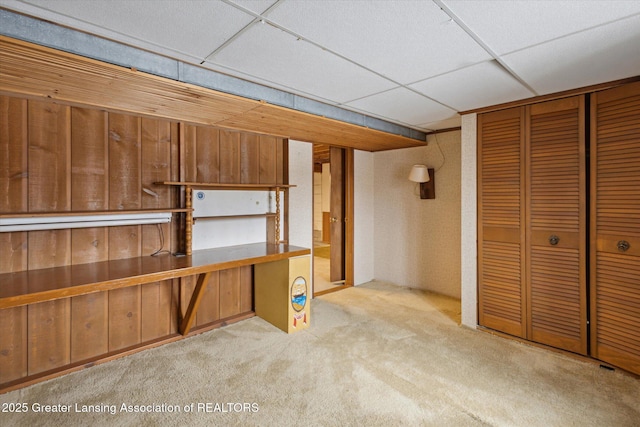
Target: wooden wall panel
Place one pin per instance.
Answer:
(229, 292)
(268, 159)
(229, 157)
(246, 289)
(209, 310)
(49, 157)
(249, 158)
(13, 344)
(49, 335)
(89, 326)
(125, 189)
(207, 156)
(13, 155)
(124, 318)
(155, 315)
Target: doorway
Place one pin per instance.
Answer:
(331, 216)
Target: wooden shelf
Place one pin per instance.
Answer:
(48, 284)
(205, 217)
(214, 186)
(83, 213)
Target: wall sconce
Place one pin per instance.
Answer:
(426, 177)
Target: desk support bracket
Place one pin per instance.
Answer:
(198, 292)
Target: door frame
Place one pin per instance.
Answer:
(348, 178)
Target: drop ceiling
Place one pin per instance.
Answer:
(412, 63)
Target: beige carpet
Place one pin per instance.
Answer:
(375, 355)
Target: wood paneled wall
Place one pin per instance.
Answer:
(61, 158)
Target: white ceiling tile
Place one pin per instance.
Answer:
(401, 104)
(195, 28)
(506, 26)
(404, 40)
(602, 54)
(273, 55)
(477, 86)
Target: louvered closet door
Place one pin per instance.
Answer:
(556, 224)
(500, 217)
(615, 230)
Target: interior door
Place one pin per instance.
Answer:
(615, 226)
(501, 292)
(556, 262)
(337, 212)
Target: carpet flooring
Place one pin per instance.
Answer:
(374, 355)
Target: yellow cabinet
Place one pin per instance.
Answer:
(283, 294)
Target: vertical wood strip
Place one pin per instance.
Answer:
(229, 157)
(268, 159)
(229, 292)
(249, 158)
(13, 180)
(207, 154)
(49, 335)
(155, 310)
(13, 344)
(124, 162)
(209, 310)
(124, 318)
(89, 326)
(246, 289)
(49, 157)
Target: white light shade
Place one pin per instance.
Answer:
(81, 221)
(419, 173)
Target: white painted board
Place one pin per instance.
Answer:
(213, 230)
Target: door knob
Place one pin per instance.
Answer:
(334, 219)
(623, 246)
(553, 240)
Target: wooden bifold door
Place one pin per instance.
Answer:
(559, 223)
(532, 221)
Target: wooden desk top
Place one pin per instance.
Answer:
(32, 286)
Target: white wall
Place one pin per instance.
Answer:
(301, 196)
(363, 212)
(469, 257)
(417, 242)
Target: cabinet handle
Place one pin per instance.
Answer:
(623, 246)
(553, 240)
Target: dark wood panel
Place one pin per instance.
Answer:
(89, 326)
(155, 312)
(229, 157)
(49, 157)
(268, 159)
(48, 335)
(246, 289)
(14, 159)
(124, 318)
(249, 158)
(125, 189)
(209, 310)
(89, 160)
(229, 292)
(156, 163)
(13, 344)
(207, 154)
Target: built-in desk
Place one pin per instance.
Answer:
(33, 286)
